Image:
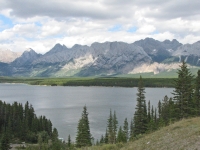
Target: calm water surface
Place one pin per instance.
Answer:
(64, 105)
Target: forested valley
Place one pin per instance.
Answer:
(20, 123)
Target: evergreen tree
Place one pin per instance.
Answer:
(165, 110)
(69, 141)
(21, 122)
(155, 119)
(126, 130)
(196, 100)
(110, 129)
(5, 144)
(115, 125)
(97, 142)
(106, 137)
(102, 139)
(159, 109)
(121, 136)
(149, 112)
(55, 135)
(152, 113)
(140, 116)
(183, 92)
(83, 137)
(132, 129)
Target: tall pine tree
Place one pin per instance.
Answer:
(196, 100)
(83, 137)
(140, 116)
(183, 92)
(126, 130)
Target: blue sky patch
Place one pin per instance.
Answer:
(132, 29)
(115, 28)
(5, 22)
(38, 24)
(154, 32)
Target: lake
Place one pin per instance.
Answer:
(64, 105)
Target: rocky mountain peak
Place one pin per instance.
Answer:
(57, 48)
(26, 58)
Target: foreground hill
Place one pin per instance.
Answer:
(184, 134)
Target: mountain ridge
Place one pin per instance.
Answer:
(104, 59)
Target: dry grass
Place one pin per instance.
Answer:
(182, 135)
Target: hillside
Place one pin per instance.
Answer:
(184, 134)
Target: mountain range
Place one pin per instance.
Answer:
(101, 59)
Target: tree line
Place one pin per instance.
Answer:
(19, 123)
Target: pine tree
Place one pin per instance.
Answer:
(102, 139)
(155, 119)
(196, 100)
(132, 129)
(55, 135)
(125, 130)
(183, 92)
(140, 116)
(115, 125)
(151, 123)
(110, 129)
(165, 110)
(83, 137)
(106, 137)
(5, 144)
(149, 112)
(69, 141)
(97, 142)
(121, 136)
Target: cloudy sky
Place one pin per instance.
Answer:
(41, 24)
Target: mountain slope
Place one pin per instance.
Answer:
(115, 58)
(26, 58)
(7, 56)
(98, 59)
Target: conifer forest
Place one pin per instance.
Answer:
(19, 123)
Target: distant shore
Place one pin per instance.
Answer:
(107, 82)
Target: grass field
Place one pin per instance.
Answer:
(112, 81)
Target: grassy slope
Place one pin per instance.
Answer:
(181, 135)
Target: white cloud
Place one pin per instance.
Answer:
(41, 25)
(146, 29)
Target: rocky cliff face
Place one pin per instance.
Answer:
(115, 58)
(157, 50)
(98, 59)
(189, 52)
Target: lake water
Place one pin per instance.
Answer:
(64, 105)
